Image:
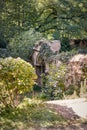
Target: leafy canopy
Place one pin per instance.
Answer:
(57, 18)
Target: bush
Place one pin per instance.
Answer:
(22, 44)
(16, 77)
(66, 56)
(77, 72)
(54, 83)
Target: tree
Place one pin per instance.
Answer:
(65, 18)
(59, 18)
(17, 16)
(22, 45)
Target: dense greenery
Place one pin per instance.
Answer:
(16, 77)
(22, 24)
(22, 44)
(69, 76)
(30, 114)
(54, 83)
(53, 18)
(3, 43)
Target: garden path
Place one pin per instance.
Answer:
(72, 108)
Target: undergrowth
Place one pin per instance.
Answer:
(29, 114)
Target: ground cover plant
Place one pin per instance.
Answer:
(29, 114)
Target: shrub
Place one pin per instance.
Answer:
(16, 77)
(54, 83)
(66, 56)
(77, 72)
(22, 45)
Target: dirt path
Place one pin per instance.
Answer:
(73, 110)
(66, 112)
(74, 107)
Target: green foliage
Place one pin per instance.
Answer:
(69, 91)
(30, 114)
(53, 84)
(3, 43)
(45, 52)
(84, 68)
(22, 44)
(4, 53)
(83, 88)
(65, 18)
(65, 45)
(17, 16)
(16, 77)
(37, 88)
(66, 56)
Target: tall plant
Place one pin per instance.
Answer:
(54, 83)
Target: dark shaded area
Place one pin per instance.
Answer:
(82, 51)
(4, 53)
(3, 42)
(82, 43)
(65, 46)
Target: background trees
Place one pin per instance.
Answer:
(22, 44)
(55, 19)
(16, 16)
(65, 18)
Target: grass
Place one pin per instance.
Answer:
(29, 114)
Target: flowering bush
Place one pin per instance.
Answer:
(16, 77)
(54, 83)
(77, 72)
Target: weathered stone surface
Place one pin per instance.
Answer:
(52, 46)
(44, 54)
